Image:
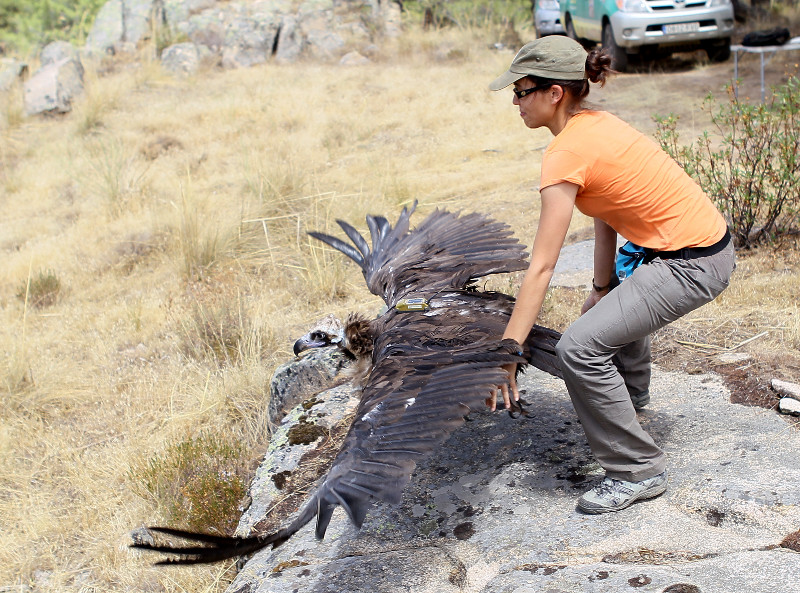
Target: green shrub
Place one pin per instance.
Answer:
(27, 23)
(750, 166)
(197, 483)
(42, 290)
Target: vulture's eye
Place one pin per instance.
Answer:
(319, 336)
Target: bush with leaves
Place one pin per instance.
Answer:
(30, 23)
(197, 483)
(750, 166)
(469, 13)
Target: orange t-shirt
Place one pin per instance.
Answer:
(629, 182)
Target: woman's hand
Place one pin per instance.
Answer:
(508, 389)
(594, 298)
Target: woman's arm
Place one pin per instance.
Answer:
(558, 202)
(605, 249)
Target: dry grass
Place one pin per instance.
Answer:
(758, 315)
(175, 211)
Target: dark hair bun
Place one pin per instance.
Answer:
(598, 65)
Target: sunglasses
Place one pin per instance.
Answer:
(526, 92)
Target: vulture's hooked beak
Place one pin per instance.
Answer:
(314, 339)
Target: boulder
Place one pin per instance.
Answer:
(323, 44)
(353, 58)
(121, 25)
(249, 39)
(57, 51)
(243, 34)
(300, 435)
(11, 72)
(301, 378)
(179, 11)
(789, 405)
(181, 58)
(786, 388)
(54, 86)
(290, 40)
(392, 18)
(316, 25)
(305, 407)
(205, 27)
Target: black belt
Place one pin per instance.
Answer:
(693, 252)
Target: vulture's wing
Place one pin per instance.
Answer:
(430, 368)
(446, 251)
(415, 397)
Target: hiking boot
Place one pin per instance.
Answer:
(640, 400)
(614, 495)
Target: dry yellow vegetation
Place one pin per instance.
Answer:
(165, 221)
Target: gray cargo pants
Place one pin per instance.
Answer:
(605, 355)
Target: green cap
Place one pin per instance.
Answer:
(555, 57)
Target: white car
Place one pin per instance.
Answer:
(651, 28)
(547, 17)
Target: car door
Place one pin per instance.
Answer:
(585, 18)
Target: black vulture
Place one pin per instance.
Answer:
(434, 355)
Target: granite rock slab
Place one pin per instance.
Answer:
(494, 510)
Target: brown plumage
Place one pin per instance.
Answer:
(428, 367)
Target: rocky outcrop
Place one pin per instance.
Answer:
(122, 24)
(11, 72)
(301, 378)
(53, 87)
(494, 509)
(240, 34)
(302, 439)
(57, 51)
(181, 58)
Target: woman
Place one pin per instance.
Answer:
(622, 179)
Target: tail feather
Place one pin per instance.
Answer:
(220, 547)
(377, 229)
(192, 536)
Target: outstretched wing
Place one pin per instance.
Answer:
(430, 368)
(446, 251)
(415, 397)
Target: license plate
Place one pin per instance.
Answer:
(681, 28)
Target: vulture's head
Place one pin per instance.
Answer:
(353, 337)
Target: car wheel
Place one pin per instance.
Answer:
(619, 57)
(719, 52)
(570, 28)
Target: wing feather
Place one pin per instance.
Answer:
(446, 251)
(356, 237)
(336, 243)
